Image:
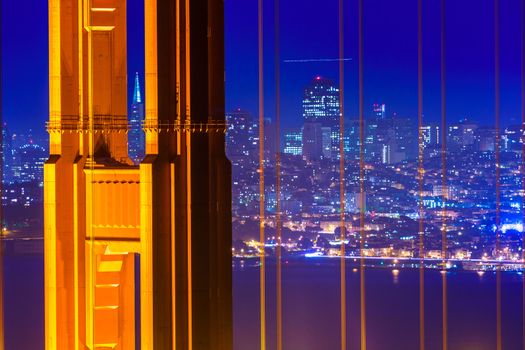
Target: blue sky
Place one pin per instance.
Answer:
(309, 29)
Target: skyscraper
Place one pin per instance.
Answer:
(293, 142)
(326, 142)
(7, 155)
(378, 135)
(431, 135)
(312, 141)
(461, 136)
(405, 131)
(321, 106)
(379, 110)
(136, 117)
(240, 135)
(32, 158)
(269, 141)
(485, 139)
(389, 139)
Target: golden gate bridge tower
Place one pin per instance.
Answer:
(137, 254)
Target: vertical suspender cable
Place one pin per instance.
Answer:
(497, 158)
(262, 267)
(522, 166)
(278, 225)
(188, 138)
(421, 173)
(178, 79)
(444, 177)
(2, 221)
(362, 200)
(342, 174)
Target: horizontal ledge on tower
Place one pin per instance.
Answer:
(148, 126)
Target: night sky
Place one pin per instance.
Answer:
(309, 30)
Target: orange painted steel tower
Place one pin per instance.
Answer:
(137, 252)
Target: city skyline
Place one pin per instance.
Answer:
(467, 143)
(223, 222)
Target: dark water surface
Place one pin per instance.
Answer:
(24, 302)
(311, 307)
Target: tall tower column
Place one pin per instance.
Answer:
(90, 189)
(186, 221)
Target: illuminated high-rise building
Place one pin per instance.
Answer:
(431, 135)
(379, 110)
(405, 139)
(351, 139)
(136, 118)
(293, 142)
(321, 106)
(378, 135)
(7, 155)
(326, 143)
(31, 157)
(461, 136)
(312, 141)
(485, 139)
(240, 135)
(155, 235)
(389, 139)
(512, 138)
(269, 141)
